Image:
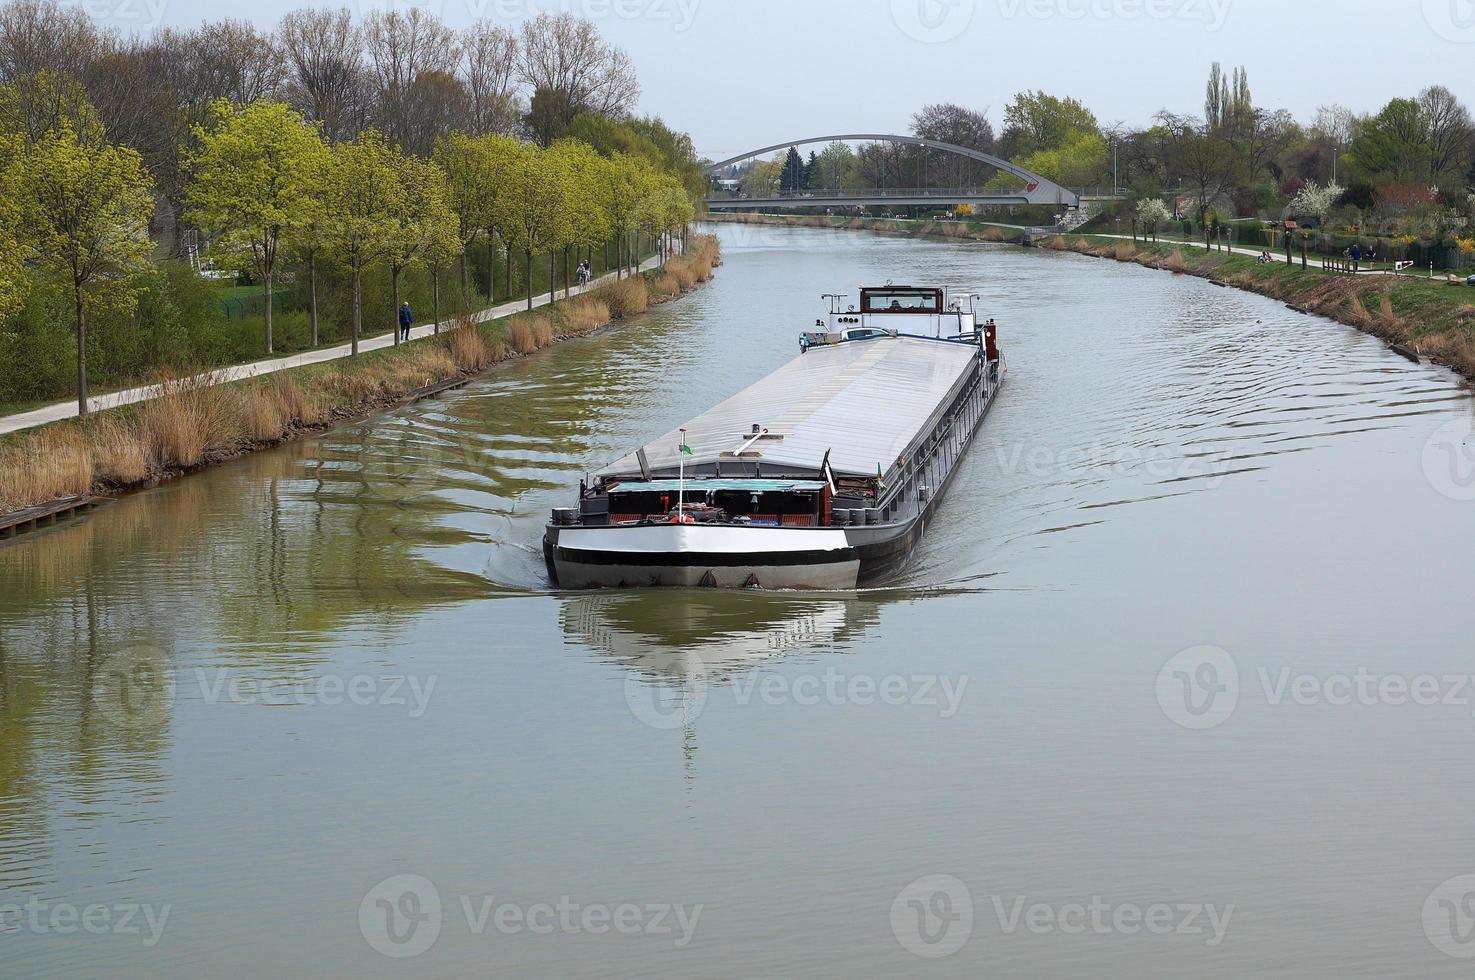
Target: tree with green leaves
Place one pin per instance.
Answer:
(13, 279)
(255, 179)
(364, 197)
(589, 198)
(630, 179)
(87, 207)
(537, 205)
(460, 158)
(499, 157)
(424, 225)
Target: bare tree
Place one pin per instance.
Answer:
(489, 70)
(954, 124)
(401, 47)
(233, 60)
(564, 58)
(1199, 156)
(1451, 134)
(324, 52)
(42, 35)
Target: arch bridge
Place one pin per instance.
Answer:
(1036, 189)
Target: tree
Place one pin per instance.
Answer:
(1151, 213)
(489, 69)
(1393, 146)
(589, 198)
(630, 181)
(832, 167)
(461, 159)
(424, 225)
(566, 63)
(12, 183)
(323, 51)
(791, 178)
(45, 36)
(1451, 133)
(87, 208)
(1036, 122)
(255, 178)
(538, 205)
(1198, 156)
(1315, 201)
(402, 47)
(949, 123)
(364, 195)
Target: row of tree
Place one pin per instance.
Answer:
(262, 187)
(402, 73)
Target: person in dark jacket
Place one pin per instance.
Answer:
(406, 317)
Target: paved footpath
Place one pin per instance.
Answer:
(68, 409)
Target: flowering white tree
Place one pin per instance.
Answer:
(1315, 201)
(1152, 212)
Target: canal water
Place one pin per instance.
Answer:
(1178, 683)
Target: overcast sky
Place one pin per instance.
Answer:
(738, 74)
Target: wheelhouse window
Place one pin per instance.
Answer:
(901, 299)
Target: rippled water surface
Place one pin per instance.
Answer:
(249, 697)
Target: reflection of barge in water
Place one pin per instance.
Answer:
(822, 475)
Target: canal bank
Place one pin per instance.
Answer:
(201, 420)
(1423, 318)
(1171, 464)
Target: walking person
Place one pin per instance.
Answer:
(1356, 255)
(584, 274)
(406, 317)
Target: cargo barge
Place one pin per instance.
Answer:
(823, 475)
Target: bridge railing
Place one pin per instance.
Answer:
(941, 193)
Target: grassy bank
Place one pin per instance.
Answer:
(192, 425)
(970, 231)
(1431, 317)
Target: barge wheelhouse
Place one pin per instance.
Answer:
(822, 475)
